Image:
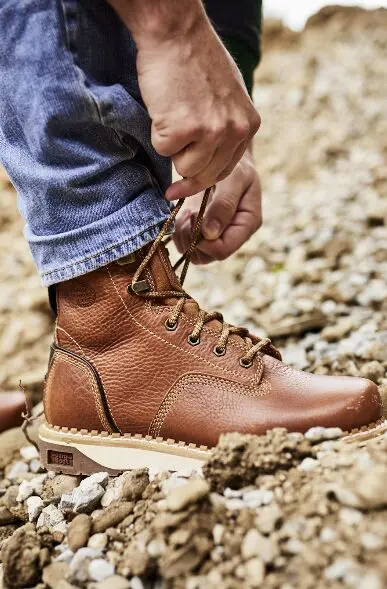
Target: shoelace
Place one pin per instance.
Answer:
(141, 288)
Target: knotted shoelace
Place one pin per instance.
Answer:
(203, 317)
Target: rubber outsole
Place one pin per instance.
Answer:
(72, 451)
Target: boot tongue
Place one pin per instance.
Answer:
(164, 277)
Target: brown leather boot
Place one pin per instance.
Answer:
(140, 376)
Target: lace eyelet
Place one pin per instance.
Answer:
(219, 351)
(170, 326)
(245, 364)
(193, 341)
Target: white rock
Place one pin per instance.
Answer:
(217, 533)
(81, 556)
(97, 541)
(350, 517)
(257, 497)
(232, 493)
(136, 583)
(32, 487)
(339, 569)
(85, 497)
(328, 535)
(318, 433)
(156, 548)
(100, 569)
(36, 465)
(308, 464)
(16, 469)
(34, 507)
(101, 478)
(371, 541)
(28, 453)
(65, 556)
(235, 504)
(111, 495)
(50, 517)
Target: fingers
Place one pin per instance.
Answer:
(211, 159)
(224, 203)
(247, 219)
(224, 158)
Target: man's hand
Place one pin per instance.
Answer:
(202, 116)
(232, 215)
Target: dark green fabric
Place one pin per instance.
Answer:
(246, 59)
(238, 23)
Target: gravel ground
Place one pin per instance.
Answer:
(281, 511)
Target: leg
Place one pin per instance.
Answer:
(75, 136)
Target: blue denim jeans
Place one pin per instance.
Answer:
(75, 135)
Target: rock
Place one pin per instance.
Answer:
(31, 487)
(79, 532)
(319, 434)
(191, 492)
(50, 517)
(339, 569)
(54, 573)
(6, 517)
(98, 541)
(156, 548)
(136, 583)
(87, 496)
(308, 464)
(80, 563)
(373, 370)
(10, 443)
(267, 518)
(112, 516)
(114, 582)
(371, 542)
(255, 572)
(218, 533)
(255, 544)
(16, 469)
(34, 506)
(20, 557)
(100, 569)
(257, 497)
(334, 333)
(134, 484)
(28, 453)
(61, 484)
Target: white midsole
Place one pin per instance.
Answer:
(124, 453)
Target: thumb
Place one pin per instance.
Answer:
(221, 209)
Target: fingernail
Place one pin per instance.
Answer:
(212, 229)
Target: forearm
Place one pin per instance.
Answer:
(156, 21)
(238, 23)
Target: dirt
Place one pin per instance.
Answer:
(280, 511)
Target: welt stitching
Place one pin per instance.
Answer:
(162, 339)
(175, 392)
(97, 399)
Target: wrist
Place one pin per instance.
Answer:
(153, 23)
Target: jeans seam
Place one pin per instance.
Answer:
(100, 253)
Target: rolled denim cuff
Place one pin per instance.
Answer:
(101, 242)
